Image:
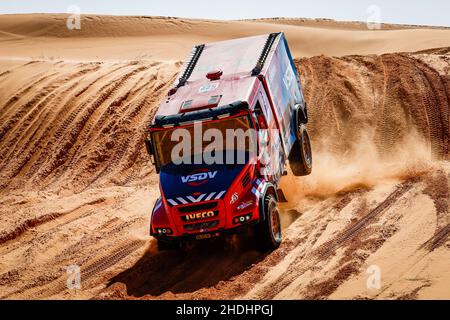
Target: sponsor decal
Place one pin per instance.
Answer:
(288, 77)
(234, 198)
(198, 177)
(244, 205)
(208, 87)
(199, 215)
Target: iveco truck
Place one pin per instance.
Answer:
(246, 90)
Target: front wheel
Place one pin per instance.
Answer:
(300, 158)
(269, 230)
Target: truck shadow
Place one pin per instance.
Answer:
(205, 265)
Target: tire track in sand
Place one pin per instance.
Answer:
(327, 249)
(33, 121)
(74, 138)
(97, 265)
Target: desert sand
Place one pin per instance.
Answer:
(77, 188)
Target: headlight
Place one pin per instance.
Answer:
(242, 219)
(163, 231)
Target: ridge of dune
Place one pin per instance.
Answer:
(341, 25)
(154, 38)
(54, 25)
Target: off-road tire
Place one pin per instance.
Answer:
(269, 230)
(300, 158)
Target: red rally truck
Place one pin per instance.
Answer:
(247, 84)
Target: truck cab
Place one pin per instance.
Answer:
(221, 140)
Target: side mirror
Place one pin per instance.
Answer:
(260, 120)
(148, 146)
(150, 151)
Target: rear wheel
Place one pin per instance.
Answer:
(300, 158)
(269, 230)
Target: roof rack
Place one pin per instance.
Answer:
(195, 55)
(262, 58)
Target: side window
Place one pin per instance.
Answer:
(267, 110)
(263, 133)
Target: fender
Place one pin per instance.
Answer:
(159, 216)
(301, 113)
(269, 188)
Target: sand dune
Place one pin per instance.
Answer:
(77, 187)
(157, 38)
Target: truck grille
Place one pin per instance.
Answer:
(201, 225)
(198, 207)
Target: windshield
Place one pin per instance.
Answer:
(227, 141)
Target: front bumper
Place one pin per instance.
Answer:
(207, 235)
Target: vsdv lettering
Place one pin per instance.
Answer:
(198, 176)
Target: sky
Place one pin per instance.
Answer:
(423, 12)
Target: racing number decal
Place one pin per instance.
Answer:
(208, 87)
